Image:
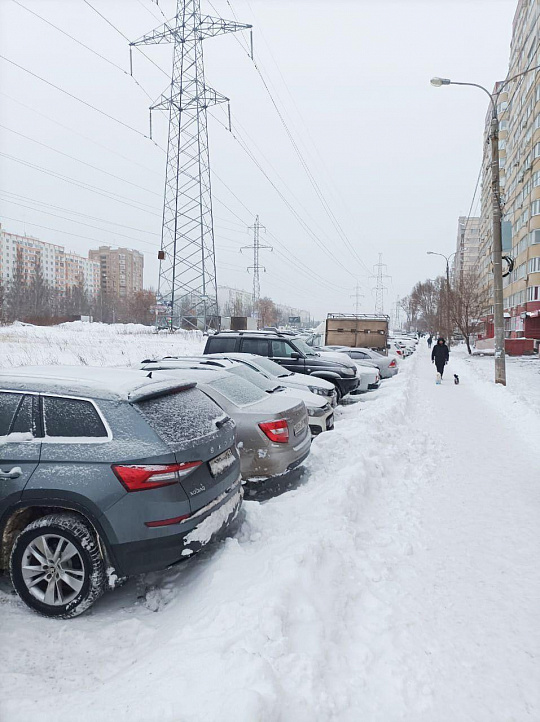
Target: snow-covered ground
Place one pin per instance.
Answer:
(399, 582)
(94, 344)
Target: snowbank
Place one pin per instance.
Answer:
(267, 625)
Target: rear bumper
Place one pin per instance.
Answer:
(154, 554)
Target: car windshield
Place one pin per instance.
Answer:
(302, 346)
(244, 372)
(271, 367)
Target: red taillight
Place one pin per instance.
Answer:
(277, 431)
(167, 522)
(137, 477)
(392, 364)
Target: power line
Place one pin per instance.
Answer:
(75, 213)
(80, 100)
(125, 37)
(81, 135)
(78, 160)
(85, 186)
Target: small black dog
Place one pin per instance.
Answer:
(456, 379)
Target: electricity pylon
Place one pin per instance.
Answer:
(187, 263)
(380, 288)
(357, 295)
(256, 267)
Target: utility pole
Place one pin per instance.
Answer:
(187, 263)
(357, 295)
(256, 267)
(380, 288)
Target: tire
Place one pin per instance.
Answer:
(73, 582)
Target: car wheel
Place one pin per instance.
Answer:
(56, 566)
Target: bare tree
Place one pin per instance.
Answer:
(467, 302)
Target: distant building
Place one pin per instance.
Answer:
(121, 270)
(467, 246)
(60, 270)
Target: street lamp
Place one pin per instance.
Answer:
(447, 259)
(498, 301)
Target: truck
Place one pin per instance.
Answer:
(358, 330)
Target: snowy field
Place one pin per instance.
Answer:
(91, 344)
(399, 581)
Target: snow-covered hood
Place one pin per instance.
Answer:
(342, 358)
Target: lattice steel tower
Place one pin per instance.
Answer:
(256, 267)
(187, 267)
(380, 288)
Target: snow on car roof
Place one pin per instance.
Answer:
(95, 382)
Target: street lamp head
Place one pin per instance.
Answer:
(437, 82)
(431, 253)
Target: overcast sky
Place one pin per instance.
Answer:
(396, 160)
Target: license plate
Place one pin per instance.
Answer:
(299, 426)
(221, 463)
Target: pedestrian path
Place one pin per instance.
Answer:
(470, 602)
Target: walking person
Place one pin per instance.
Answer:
(430, 340)
(440, 356)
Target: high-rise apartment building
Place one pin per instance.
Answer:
(121, 270)
(468, 239)
(60, 270)
(519, 143)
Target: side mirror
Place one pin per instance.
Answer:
(296, 355)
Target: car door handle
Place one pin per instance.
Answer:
(13, 474)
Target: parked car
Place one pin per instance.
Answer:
(107, 473)
(367, 373)
(288, 351)
(387, 365)
(273, 371)
(320, 411)
(272, 429)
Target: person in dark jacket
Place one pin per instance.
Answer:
(440, 355)
(430, 340)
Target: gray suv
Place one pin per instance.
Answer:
(106, 473)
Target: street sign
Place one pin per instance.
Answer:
(294, 319)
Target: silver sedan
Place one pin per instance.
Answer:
(387, 365)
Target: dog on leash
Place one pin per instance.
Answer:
(456, 379)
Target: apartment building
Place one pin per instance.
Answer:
(60, 270)
(121, 270)
(467, 246)
(519, 113)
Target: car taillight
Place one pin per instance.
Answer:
(392, 364)
(277, 431)
(137, 477)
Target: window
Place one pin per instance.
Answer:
(221, 344)
(281, 349)
(237, 390)
(22, 424)
(69, 418)
(535, 208)
(533, 293)
(534, 265)
(9, 404)
(257, 346)
(181, 417)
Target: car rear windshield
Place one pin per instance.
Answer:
(254, 377)
(237, 390)
(181, 417)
